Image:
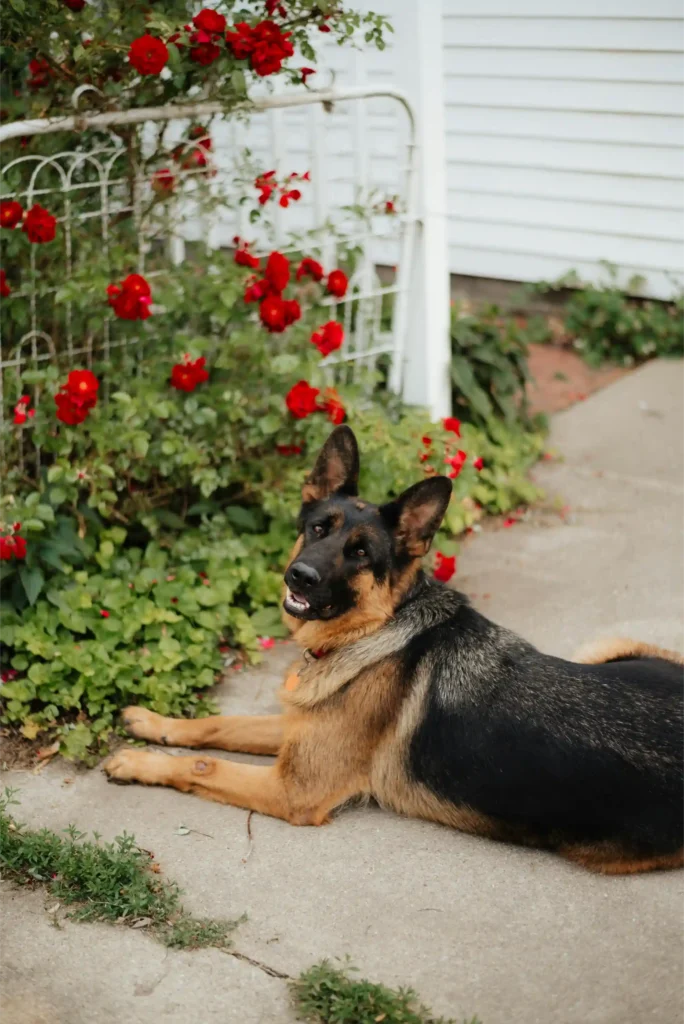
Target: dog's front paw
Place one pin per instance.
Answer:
(144, 724)
(136, 766)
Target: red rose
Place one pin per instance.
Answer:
(41, 72)
(277, 271)
(5, 289)
(333, 406)
(199, 133)
(427, 441)
(478, 463)
(19, 547)
(273, 313)
(137, 284)
(257, 291)
(104, 613)
(82, 386)
(241, 40)
(337, 283)
(328, 338)
(244, 258)
(77, 396)
(301, 400)
(457, 463)
(274, 5)
(293, 311)
(22, 411)
(389, 207)
(209, 21)
(148, 55)
(191, 157)
(39, 225)
(75, 5)
(11, 213)
(445, 567)
(266, 186)
(163, 181)
(12, 547)
(309, 268)
(67, 411)
(452, 424)
(269, 48)
(294, 194)
(187, 375)
(204, 53)
(131, 299)
(288, 449)
(306, 73)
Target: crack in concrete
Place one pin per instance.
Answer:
(271, 971)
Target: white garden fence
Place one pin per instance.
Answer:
(376, 309)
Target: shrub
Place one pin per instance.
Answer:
(151, 482)
(606, 324)
(489, 366)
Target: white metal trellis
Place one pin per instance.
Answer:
(54, 176)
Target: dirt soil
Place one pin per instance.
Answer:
(561, 378)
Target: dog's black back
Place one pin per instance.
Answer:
(556, 753)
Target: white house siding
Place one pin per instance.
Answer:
(565, 123)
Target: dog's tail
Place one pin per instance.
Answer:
(621, 649)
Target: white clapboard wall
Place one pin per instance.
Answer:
(565, 135)
(565, 123)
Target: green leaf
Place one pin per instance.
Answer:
(33, 524)
(168, 518)
(237, 80)
(464, 379)
(32, 581)
(243, 518)
(46, 513)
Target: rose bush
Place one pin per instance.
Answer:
(147, 543)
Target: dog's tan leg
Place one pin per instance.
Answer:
(262, 789)
(243, 785)
(250, 734)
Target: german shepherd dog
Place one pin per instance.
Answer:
(406, 694)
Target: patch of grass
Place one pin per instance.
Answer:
(187, 932)
(325, 994)
(115, 882)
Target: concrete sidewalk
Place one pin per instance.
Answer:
(514, 936)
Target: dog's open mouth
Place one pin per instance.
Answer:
(296, 604)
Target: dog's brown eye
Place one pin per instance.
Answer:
(360, 553)
(318, 530)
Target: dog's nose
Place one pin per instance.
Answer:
(303, 575)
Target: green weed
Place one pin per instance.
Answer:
(325, 994)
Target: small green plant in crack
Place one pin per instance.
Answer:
(325, 994)
(185, 932)
(114, 882)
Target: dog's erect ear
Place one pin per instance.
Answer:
(336, 469)
(415, 515)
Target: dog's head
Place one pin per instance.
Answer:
(353, 560)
